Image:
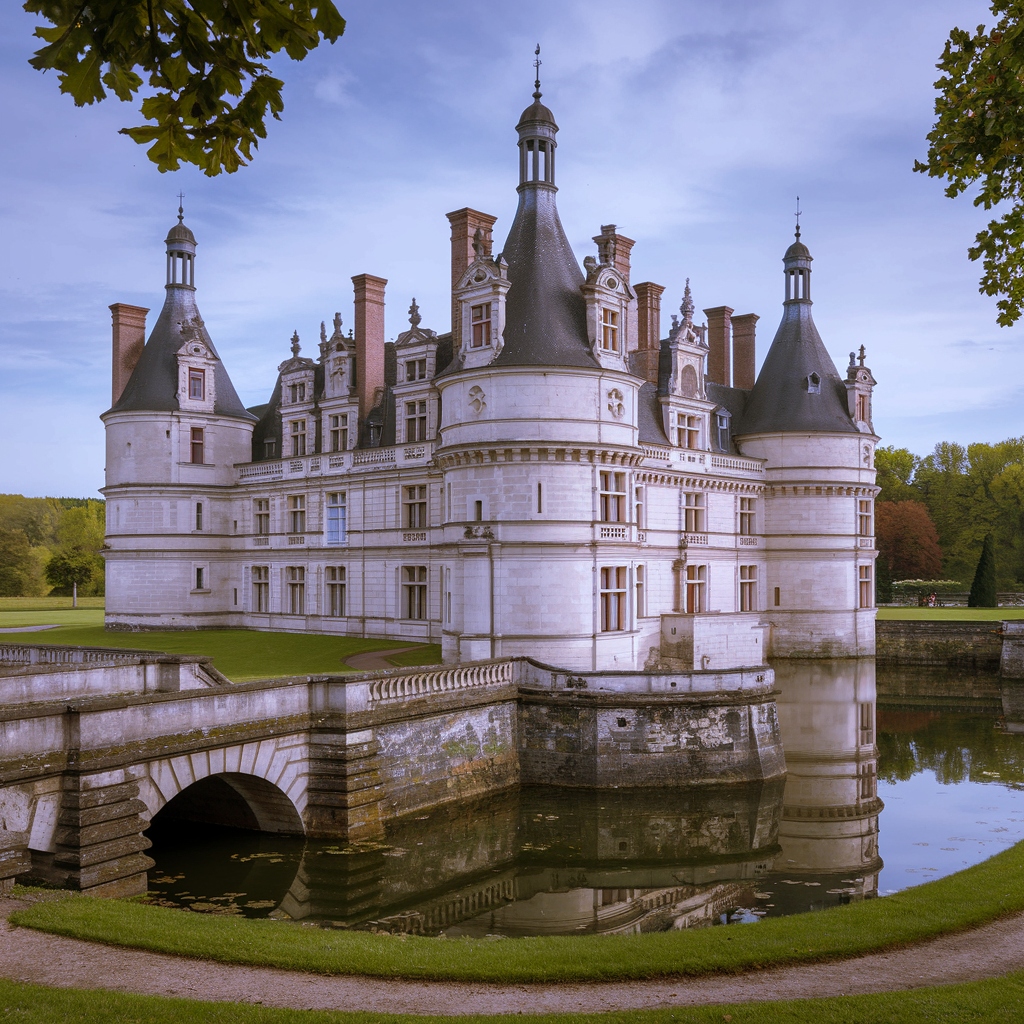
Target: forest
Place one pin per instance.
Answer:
(48, 545)
(934, 512)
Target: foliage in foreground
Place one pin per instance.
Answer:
(967, 899)
(978, 139)
(201, 63)
(1000, 999)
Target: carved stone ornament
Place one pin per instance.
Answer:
(867, 455)
(476, 399)
(616, 406)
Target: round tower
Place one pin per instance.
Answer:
(819, 486)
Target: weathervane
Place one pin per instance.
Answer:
(181, 208)
(536, 67)
(798, 212)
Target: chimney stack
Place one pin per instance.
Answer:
(743, 350)
(719, 324)
(465, 224)
(614, 248)
(129, 337)
(369, 331)
(644, 362)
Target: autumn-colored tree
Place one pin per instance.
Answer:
(908, 543)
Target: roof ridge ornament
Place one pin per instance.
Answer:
(686, 307)
(295, 343)
(414, 314)
(536, 68)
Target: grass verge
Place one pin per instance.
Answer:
(966, 899)
(428, 654)
(998, 999)
(53, 617)
(241, 654)
(952, 614)
(47, 604)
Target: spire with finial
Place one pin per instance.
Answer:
(414, 314)
(798, 212)
(536, 68)
(295, 343)
(181, 207)
(863, 355)
(686, 307)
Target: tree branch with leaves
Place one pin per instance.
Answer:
(200, 65)
(978, 139)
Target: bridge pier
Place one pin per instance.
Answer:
(345, 785)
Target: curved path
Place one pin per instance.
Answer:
(32, 956)
(370, 661)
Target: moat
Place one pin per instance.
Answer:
(874, 801)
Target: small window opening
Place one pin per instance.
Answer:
(478, 511)
(540, 497)
(199, 515)
(813, 384)
(199, 578)
(778, 596)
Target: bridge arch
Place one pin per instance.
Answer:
(259, 785)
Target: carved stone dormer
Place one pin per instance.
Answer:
(298, 401)
(197, 389)
(859, 386)
(681, 385)
(415, 396)
(480, 296)
(609, 302)
(336, 354)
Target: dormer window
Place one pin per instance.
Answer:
(197, 386)
(416, 369)
(480, 318)
(298, 435)
(270, 448)
(609, 330)
(687, 430)
(813, 384)
(722, 426)
(298, 392)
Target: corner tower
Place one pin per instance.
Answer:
(819, 487)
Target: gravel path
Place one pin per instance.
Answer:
(370, 661)
(32, 956)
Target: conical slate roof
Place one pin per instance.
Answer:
(785, 395)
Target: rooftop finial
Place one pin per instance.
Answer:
(295, 343)
(414, 314)
(862, 356)
(798, 212)
(687, 307)
(181, 208)
(536, 67)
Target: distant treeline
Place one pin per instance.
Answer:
(49, 544)
(933, 513)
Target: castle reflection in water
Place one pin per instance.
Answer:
(543, 861)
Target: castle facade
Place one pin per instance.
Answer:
(550, 478)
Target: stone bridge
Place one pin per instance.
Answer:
(95, 742)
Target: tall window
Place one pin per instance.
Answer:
(695, 578)
(261, 588)
(613, 598)
(609, 330)
(297, 392)
(200, 580)
(612, 497)
(261, 515)
(339, 432)
(199, 515)
(640, 586)
(298, 434)
(197, 445)
(297, 513)
(415, 421)
(336, 518)
(693, 513)
(722, 427)
(748, 516)
(414, 591)
(416, 369)
(296, 576)
(480, 321)
(864, 518)
(197, 385)
(862, 408)
(336, 590)
(867, 589)
(748, 588)
(687, 430)
(270, 448)
(639, 506)
(416, 507)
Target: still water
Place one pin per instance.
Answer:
(874, 801)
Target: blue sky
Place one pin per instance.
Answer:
(690, 125)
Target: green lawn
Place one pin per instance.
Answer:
(56, 617)
(952, 614)
(28, 604)
(980, 1001)
(241, 654)
(966, 899)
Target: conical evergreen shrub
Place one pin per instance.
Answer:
(983, 589)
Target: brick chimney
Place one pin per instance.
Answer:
(465, 223)
(129, 336)
(644, 362)
(719, 324)
(369, 331)
(743, 350)
(615, 249)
